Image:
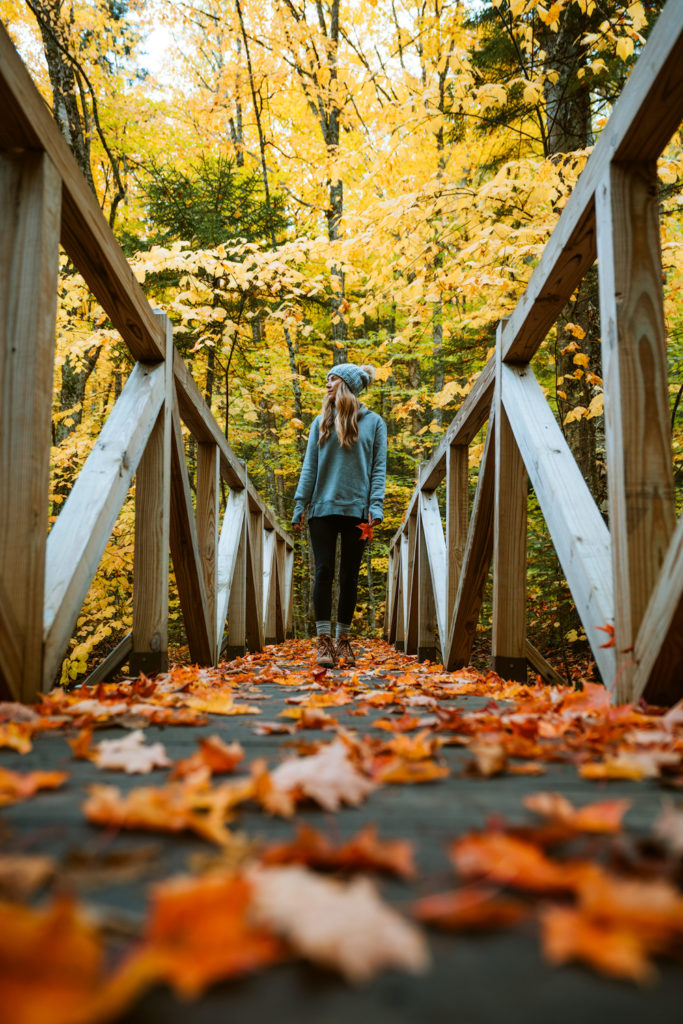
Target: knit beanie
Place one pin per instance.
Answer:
(355, 377)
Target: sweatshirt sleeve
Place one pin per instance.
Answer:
(379, 471)
(309, 472)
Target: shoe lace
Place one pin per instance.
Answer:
(344, 648)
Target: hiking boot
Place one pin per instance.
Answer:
(344, 650)
(325, 652)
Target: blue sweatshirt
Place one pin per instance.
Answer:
(338, 481)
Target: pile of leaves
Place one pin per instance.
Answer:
(604, 897)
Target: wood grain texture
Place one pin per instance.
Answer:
(645, 116)
(577, 529)
(427, 632)
(185, 553)
(435, 552)
(410, 639)
(457, 645)
(79, 536)
(30, 194)
(545, 670)
(254, 596)
(634, 366)
(269, 588)
(150, 566)
(111, 664)
(85, 234)
(457, 518)
(208, 494)
(231, 538)
(508, 637)
(658, 651)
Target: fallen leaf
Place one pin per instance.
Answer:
(51, 968)
(364, 851)
(17, 736)
(171, 808)
(343, 926)
(328, 777)
(130, 754)
(603, 816)
(16, 786)
(490, 757)
(199, 931)
(221, 704)
(399, 770)
(570, 934)
(471, 909)
(214, 754)
(507, 860)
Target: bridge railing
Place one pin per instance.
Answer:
(240, 571)
(628, 576)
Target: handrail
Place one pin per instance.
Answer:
(630, 577)
(245, 575)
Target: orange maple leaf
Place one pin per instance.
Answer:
(366, 531)
(471, 909)
(365, 851)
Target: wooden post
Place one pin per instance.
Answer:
(30, 206)
(457, 519)
(638, 440)
(402, 598)
(236, 629)
(152, 517)
(208, 493)
(508, 641)
(269, 588)
(254, 608)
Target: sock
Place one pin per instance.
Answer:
(322, 628)
(342, 629)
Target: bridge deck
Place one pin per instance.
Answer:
(473, 978)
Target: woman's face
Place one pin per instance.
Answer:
(332, 387)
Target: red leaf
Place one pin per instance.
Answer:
(366, 531)
(610, 632)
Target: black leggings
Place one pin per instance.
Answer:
(324, 530)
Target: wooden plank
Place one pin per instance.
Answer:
(544, 668)
(457, 645)
(427, 649)
(457, 519)
(411, 606)
(235, 643)
(111, 664)
(10, 651)
(208, 495)
(637, 430)
(254, 599)
(269, 587)
(508, 639)
(150, 567)
(435, 552)
(29, 260)
(288, 604)
(577, 529)
(466, 424)
(185, 553)
(658, 651)
(645, 116)
(402, 600)
(228, 553)
(79, 536)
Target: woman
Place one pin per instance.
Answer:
(342, 484)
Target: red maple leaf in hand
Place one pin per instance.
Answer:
(366, 531)
(610, 632)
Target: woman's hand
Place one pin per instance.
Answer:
(301, 525)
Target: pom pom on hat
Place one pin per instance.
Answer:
(355, 377)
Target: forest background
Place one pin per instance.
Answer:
(301, 183)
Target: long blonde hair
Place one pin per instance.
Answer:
(346, 406)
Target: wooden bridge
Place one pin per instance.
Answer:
(482, 759)
(629, 575)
